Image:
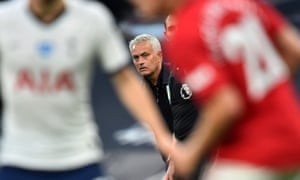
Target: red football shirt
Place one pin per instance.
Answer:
(219, 42)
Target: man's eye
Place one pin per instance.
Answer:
(172, 28)
(145, 55)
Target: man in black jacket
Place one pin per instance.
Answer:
(173, 98)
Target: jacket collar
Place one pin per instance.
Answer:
(163, 78)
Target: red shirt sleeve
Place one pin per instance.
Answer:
(198, 69)
(188, 50)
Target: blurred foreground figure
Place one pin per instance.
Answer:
(47, 52)
(237, 57)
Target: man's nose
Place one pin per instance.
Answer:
(140, 60)
(141, 63)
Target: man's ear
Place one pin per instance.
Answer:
(160, 54)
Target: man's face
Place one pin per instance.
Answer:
(153, 7)
(170, 27)
(146, 61)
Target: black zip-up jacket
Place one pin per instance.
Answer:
(175, 103)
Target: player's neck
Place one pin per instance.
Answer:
(155, 76)
(153, 79)
(47, 10)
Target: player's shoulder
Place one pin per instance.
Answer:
(10, 10)
(8, 7)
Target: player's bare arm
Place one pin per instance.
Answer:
(218, 116)
(288, 42)
(126, 82)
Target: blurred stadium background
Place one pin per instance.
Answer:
(129, 151)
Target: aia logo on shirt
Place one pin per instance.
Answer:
(44, 81)
(45, 49)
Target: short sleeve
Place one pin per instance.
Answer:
(205, 78)
(198, 69)
(111, 48)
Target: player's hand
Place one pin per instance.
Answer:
(170, 171)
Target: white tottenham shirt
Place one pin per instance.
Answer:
(45, 81)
